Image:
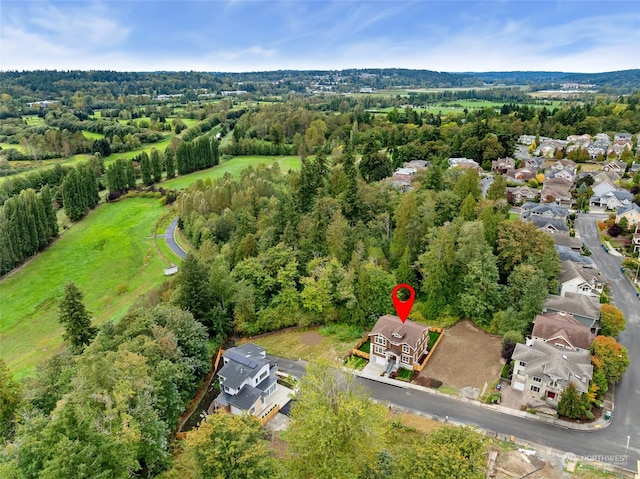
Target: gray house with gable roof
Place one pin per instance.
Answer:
(247, 380)
(545, 371)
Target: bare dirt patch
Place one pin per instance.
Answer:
(465, 357)
(311, 338)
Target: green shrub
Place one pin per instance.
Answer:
(589, 415)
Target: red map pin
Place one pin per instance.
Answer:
(403, 308)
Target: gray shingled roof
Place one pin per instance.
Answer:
(548, 362)
(576, 304)
(570, 270)
(409, 331)
(625, 209)
(245, 398)
(566, 253)
(244, 362)
(543, 222)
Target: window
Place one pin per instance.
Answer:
(405, 359)
(378, 349)
(406, 349)
(537, 380)
(522, 363)
(381, 340)
(535, 389)
(264, 375)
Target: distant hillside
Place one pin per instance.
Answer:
(53, 84)
(623, 81)
(61, 85)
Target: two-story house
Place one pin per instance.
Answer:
(247, 380)
(395, 344)
(545, 371)
(580, 280)
(563, 331)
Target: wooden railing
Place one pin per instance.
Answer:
(420, 367)
(356, 350)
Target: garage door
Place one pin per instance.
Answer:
(518, 386)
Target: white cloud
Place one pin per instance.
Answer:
(52, 36)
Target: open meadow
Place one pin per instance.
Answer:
(233, 166)
(111, 257)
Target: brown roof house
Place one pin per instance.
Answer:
(544, 371)
(563, 331)
(395, 344)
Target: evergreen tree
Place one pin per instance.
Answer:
(156, 165)
(194, 292)
(145, 169)
(75, 318)
(570, 404)
(130, 174)
(169, 163)
(73, 196)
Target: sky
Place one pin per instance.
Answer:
(242, 35)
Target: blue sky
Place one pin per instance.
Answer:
(242, 35)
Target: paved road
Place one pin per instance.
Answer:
(626, 421)
(169, 237)
(609, 441)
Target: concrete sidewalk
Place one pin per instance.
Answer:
(373, 372)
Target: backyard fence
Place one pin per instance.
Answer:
(420, 367)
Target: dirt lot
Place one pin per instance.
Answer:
(466, 357)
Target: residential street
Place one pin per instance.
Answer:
(626, 418)
(606, 442)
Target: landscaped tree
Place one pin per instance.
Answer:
(336, 431)
(75, 318)
(612, 320)
(230, 447)
(570, 404)
(609, 357)
(451, 452)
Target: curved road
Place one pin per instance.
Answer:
(169, 237)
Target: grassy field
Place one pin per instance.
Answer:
(309, 345)
(110, 255)
(233, 166)
(6, 146)
(91, 135)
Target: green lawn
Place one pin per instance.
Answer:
(91, 135)
(6, 146)
(159, 145)
(233, 166)
(110, 255)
